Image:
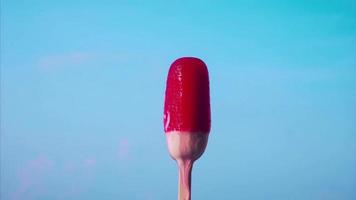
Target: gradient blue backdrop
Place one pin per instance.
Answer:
(82, 90)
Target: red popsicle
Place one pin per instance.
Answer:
(187, 116)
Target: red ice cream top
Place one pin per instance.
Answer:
(187, 101)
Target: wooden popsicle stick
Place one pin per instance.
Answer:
(184, 179)
(185, 148)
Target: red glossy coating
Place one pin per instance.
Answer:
(187, 101)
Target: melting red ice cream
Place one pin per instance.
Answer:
(187, 101)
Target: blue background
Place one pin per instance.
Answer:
(82, 90)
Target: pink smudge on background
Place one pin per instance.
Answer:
(90, 162)
(76, 59)
(149, 196)
(30, 176)
(123, 149)
(65, 60)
